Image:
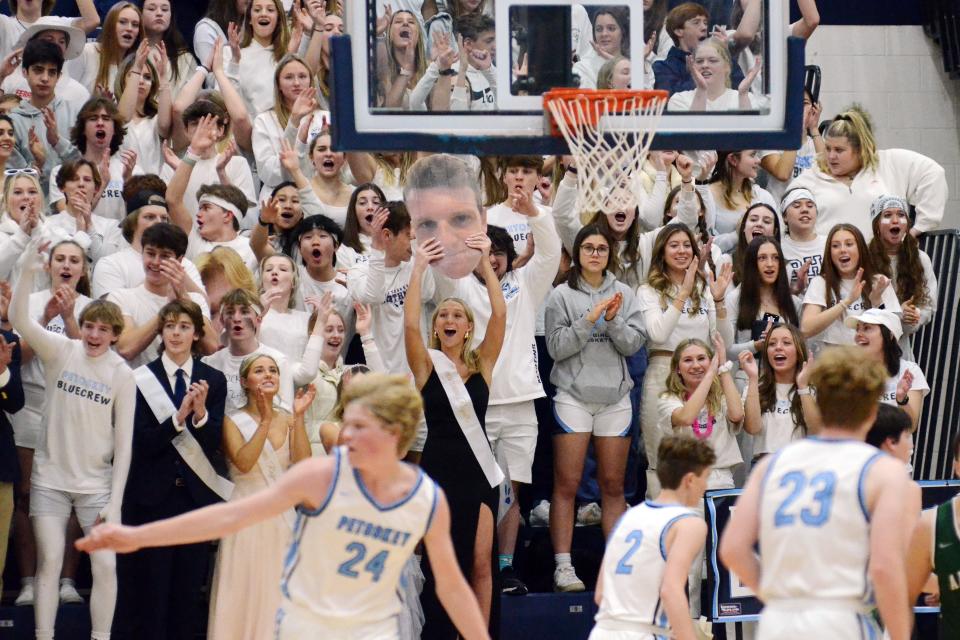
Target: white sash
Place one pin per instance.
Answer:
(185, 444)
(466, 417)
(269, 461)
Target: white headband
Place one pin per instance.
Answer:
(796, 194)
(223, 204)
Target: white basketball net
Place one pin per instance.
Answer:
(610, 139)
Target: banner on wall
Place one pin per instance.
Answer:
(730, 600)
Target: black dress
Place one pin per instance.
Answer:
(448, 459)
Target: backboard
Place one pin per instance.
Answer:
(388, 95)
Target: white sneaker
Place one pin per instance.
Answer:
(588, 514)
(565, 580)
(540, 514)
(68, 593)
(25, 597)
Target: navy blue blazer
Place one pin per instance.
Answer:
(11, 401)
(156, 465)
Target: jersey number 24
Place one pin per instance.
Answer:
(374, 566)
(810, 499)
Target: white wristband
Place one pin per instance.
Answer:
(725, 367)
(803, 392)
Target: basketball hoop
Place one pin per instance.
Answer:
(609, 133)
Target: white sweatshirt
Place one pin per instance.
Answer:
(124, 270)
(516, 376)
(666, 328)
(384, 289)
(87, 430)
(910, 175)
(267, 135)
(252, 76)
(796, 253)
(292, 373)
(838, 333)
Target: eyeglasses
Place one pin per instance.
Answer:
(591, 250)
(18, 172)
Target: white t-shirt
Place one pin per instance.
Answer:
(286, 332)
(796, 253)
(721, 435)
(124, 270)
(384, 289)
(919, 382)
(84, 68)
(144, 138)
(142, 306)
(516, 224)
(253, 76)
(63, 226)
(777, 426)
(205, 172)
(838, 333)
(241, 244)
(729, 100)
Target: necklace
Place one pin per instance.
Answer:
(702, 432)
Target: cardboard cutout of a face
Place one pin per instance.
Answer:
(451, 216)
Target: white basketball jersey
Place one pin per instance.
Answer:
(634, 562)
(344, 562)
(814, 525)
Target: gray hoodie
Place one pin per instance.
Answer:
(590, 359)
(27, 116)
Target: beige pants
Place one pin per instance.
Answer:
(654, 383)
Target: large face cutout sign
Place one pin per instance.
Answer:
(450, 214)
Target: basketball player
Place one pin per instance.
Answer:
(827, 513)
(642, 586)
(360, 513)
(935, 548)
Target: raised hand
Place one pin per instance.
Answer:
(480, 242)
(270, 211)
(880, 284)
(224, 158)
(323, 305)
(689, 279)
(205, 135)
(600, 52)
(66, 297)
(522, 203)
(364, 318)
(37, 149)
(599, 309)
(170, 157)
(264, 406)
(803, 275)
(50, 122)
(695, 75)
(304, 105)
(176, 275)
(6, 292)
(748, 364)
(719, 347)
(233, 37)
(140, 57)
(903, 386)
(857, 290)
(719, 284)
(803, 377)
(128, 157)
(160, 61)
(303, 400)
(751, 75)
(684, 167)
(11, 62)
(104, 168)
(215, 59)
(29, 220)
(427, 253)
(289, 159)
(383, 22)
(302, 17)
(380, 217)
(651, 43)
(199, 391)
(271, 296)
(480, 59)
(82, 211)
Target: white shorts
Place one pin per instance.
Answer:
(292, 624)
(612, 629)
(26, 427)
(53, 502)
(512, 432)
(602, 420)
(790, 623)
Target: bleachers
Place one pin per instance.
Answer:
(941, 21)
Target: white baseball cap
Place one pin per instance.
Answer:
(76, 38)
(885, 318)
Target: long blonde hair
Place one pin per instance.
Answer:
(675, 385)
(419, 58)
(657, 276)
(469, 356)
(279, 108)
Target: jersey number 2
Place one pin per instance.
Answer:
(813, 512)
(623, 567)
(374, 567)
